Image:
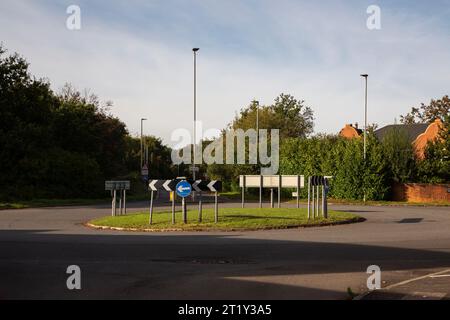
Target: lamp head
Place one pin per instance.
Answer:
(195, 49)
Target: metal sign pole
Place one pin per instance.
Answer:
(298, 192)
(243, 192)
(323, 201)
(200, 208)
(279, 192)
(183, 204)
(114, 203)
(173, 207)
(317, 200)
(120, 201)
(125, 201)
(312, 199)
(260, 190)
(309, 198)
(151, 208)
(216, 209)
(271, 198)
(326, 198)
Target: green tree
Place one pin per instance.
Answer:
(400, 156)
(427, 113)
(289, 115)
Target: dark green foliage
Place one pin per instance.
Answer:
(400, 156)
(341, 158)
(61, 146)
(287, 114)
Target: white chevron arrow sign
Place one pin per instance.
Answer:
(195, 185)
(166, 185)
(152, 185)
(211, 185)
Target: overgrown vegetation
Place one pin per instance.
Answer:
(61, 145)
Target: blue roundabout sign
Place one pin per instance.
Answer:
(183, 189)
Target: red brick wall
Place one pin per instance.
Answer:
(416, 192)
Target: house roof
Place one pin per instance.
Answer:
(412, 130)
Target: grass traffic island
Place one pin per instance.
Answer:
(230, 219)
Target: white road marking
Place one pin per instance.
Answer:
(425, 296)
(416, 279)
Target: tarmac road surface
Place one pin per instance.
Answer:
(407, 243)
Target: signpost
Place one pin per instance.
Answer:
(314, 194)
(271, 181)
(122, 187)
(209, 186)
(166, 185)
(183, 189)
(144, 173)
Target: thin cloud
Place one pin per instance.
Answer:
(249, 49)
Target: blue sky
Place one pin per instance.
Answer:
(138, 54)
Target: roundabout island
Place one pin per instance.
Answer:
(230, 219)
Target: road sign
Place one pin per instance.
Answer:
(215, 186)
(200, 185)
(117, 185)
(192, 168)
(271, 181)
(166, 185)
(122, 187)
(183, 189)
(144, 170)
(318, 188)
(155, 185)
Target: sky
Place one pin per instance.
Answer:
(138, 54)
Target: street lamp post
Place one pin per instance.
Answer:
(257, 129)
(195, 50)
(365, 76)
(142, 141)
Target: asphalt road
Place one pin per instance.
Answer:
(37, 246)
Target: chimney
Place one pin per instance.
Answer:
(356, 125)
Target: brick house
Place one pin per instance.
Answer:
(419, 134)
(350, 131)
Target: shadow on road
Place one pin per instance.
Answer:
(159, 266)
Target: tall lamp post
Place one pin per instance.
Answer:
(142, 141)
(195, 50)
(257, 128)
(365, 76)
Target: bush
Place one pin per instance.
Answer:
(344, 160)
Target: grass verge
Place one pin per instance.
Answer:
(230, 219)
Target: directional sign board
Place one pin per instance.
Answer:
(215, 186)
(117, 185)
(200, 185)
(320, 180)
(203, 185)
(155, 185)
(166, 185)
(183, 189)
(272, 181)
